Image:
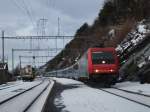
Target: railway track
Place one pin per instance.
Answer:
(34, 93)
(137, 98)
(16, 95)
(131, 92)
(34, 100)
(10, 86)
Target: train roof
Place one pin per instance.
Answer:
(102, 49)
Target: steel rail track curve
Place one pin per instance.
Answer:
(125, 98)
(131, 92)
(9, 86)
(34, 100)
(8, 99)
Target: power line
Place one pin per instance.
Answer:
(18, 6)
(24, 9)
(41, 37)
(52, 49)
(31, 10)
(28, 12)
(26, 50)
(51, 3)
(35, 56)
(31, 62)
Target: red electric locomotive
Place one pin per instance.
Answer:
(97, 64)
(103, 64)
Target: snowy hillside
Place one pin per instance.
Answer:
(134, 52)
(135, 37)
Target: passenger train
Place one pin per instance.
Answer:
(97, 64)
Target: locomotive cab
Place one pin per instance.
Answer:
(103, 63)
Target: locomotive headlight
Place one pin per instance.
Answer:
(96, 71)
(103, 62)
(111, 70)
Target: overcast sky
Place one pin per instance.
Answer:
(20, 17)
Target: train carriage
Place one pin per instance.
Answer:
(97, 64)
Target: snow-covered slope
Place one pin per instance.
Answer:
(135, 37)
(134, 50)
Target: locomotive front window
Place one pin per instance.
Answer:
(103, 58)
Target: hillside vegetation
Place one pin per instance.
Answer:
(114, 22)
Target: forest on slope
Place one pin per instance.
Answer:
(115, 20)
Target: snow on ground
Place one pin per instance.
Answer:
(19, 103)
(134, 87)
(40, 103)
(10, 84)
(86, 99)
(65, 81)
(6, 93)
(142, 28)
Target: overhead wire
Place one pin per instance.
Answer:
(24, 8)
(17, 5)
(49, 2)
(28, 12)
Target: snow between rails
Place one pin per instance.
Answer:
(39, 105)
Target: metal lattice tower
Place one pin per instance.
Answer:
(41, 30)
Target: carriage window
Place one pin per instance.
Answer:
(103, 58)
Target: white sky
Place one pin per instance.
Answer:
(20, 17)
